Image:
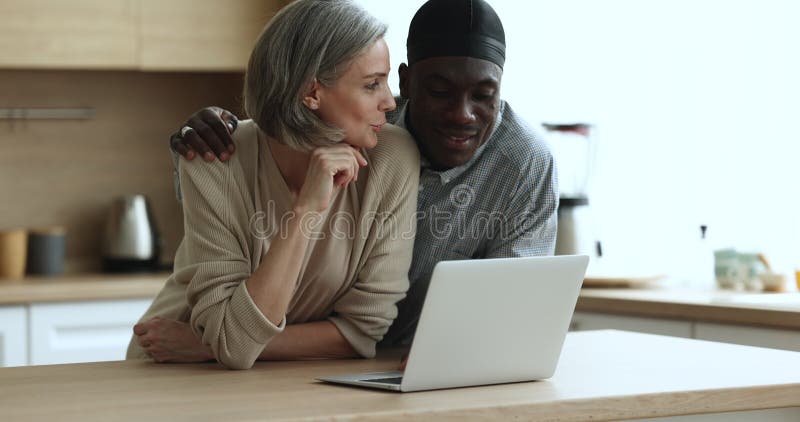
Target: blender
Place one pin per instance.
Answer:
(574, 152)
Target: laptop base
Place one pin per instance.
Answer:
(384, 380)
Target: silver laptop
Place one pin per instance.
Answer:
(487, 321)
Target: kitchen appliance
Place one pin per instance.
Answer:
(574, 152)
(131, 241)
(575, 228)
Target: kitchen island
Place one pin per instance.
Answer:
(602, 375)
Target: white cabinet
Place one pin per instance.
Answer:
(582, 321)
(13, 336)
(71, 332)
(750, 336)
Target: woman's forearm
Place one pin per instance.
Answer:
(312, 340)
(272, 284)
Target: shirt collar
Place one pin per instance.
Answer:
(447, 175)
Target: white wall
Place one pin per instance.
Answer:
(696, 104)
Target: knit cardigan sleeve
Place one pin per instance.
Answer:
(218, 261)
(365, 312)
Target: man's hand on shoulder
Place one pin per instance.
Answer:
(207, 133)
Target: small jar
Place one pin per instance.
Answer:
(46, 251)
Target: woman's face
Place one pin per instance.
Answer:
(358, 101)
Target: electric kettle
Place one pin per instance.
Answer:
(131, 242)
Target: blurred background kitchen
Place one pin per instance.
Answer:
(690, 109)
(693, 103)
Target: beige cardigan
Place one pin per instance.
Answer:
(222, 247)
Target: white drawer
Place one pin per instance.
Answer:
(82, 331)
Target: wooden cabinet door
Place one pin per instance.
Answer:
(84, 34)
(13, 336)
(201, 35)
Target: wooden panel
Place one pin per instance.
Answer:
(67, 172)
(68, 34)
(201, 34)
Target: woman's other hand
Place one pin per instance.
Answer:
(329, 168)
(167, 340)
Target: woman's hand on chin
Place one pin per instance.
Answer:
(330, 167)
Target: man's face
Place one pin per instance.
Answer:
(453, 104)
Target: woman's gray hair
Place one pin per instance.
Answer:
(306, 40)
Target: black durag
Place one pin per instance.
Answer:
(468, 28)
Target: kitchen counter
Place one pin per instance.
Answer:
(81, 287)
(775, 310)
(603, 375)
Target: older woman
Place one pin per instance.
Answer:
(299, 245)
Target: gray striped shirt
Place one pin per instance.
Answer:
(502, 203)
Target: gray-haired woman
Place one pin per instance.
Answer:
(299, 245)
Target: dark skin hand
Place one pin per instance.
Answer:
(210, 136)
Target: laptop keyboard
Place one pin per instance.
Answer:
(394, 380)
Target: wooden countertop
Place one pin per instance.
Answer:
(603, 375)
(775, 310)
(81, 287)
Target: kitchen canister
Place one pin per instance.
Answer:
(13, 253)
(46, 251)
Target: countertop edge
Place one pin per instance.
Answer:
(87, 287)
(610, 408)
(705, 312)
